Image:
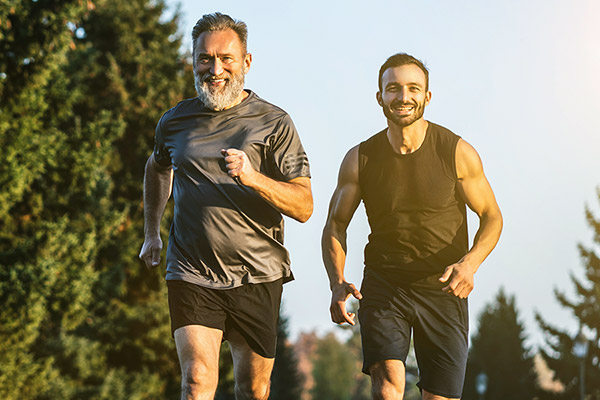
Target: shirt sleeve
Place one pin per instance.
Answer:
(161, 154)
(286, 152)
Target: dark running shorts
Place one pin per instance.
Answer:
(251, 310)
(439, 322)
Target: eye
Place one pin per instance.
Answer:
(227, 59)
(415, 89)
(203, 60)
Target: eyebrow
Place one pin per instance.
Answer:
(407, 84)
(218, 55)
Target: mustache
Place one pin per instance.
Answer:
(399, 103)
(210, 77)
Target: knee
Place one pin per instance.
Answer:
(387, 390)
(257, 390)
(198, 380)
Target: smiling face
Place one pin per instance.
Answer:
(404, 94)
(220, 64)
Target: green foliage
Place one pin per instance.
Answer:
(361, 387)
(333, 370)
(82, 85)
(498, 350)
(337, 365)
(558, 352)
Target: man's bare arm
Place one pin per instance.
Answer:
(478, 194)
(292, 198)
(158, 182)
(343, 204)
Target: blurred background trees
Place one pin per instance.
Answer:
(558, 351)
(498, 351)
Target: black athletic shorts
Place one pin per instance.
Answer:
(251, 310)
(439, 322)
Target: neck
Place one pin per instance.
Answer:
(407, 139)
(238, 100)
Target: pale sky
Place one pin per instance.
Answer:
(519, 80)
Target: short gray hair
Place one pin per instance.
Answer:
(219, 22)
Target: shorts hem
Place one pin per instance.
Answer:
(365, 369)
(197, 324)
(439, 392)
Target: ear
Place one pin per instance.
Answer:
(379, 99)
(427, 98)
(247, 62)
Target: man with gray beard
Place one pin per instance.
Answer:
(235, 164)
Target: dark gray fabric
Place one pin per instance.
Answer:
(417, 217)
(224, 234)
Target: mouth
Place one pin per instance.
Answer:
(216, 81)
(403, 109)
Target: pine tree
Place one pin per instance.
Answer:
(286, 381)
(127, 64)
(82, 85)
(498, 349)
(53, 202)
(558, 352)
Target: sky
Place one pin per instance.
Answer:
(519, 80)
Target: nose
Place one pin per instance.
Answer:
(216, 67)
(404, 95)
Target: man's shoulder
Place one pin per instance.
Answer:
(184, 106)
(442, 131)
(259, 105)
(373, 140)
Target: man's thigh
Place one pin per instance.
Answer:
(441, 341)
(250, 310)
(252, 315)
(388, 379)
(191, 304)
(252, 371)
(198, 351)
(385, 323)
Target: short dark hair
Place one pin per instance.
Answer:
(398, 60)
(219, 22)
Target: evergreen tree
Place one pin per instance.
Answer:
(82, 85)
(128, 64)
(498, 349)
(558, 352)
(286, 381)
(53, 202)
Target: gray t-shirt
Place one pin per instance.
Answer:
(224, 234)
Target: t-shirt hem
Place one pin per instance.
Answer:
(231, 284)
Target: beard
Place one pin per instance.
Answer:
(218, 99)
(403, 121)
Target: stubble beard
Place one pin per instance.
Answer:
(218, 99)
(419, 110)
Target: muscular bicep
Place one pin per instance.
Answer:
(472, 182)
(346, 196)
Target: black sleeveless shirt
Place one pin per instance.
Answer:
(416, 214)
